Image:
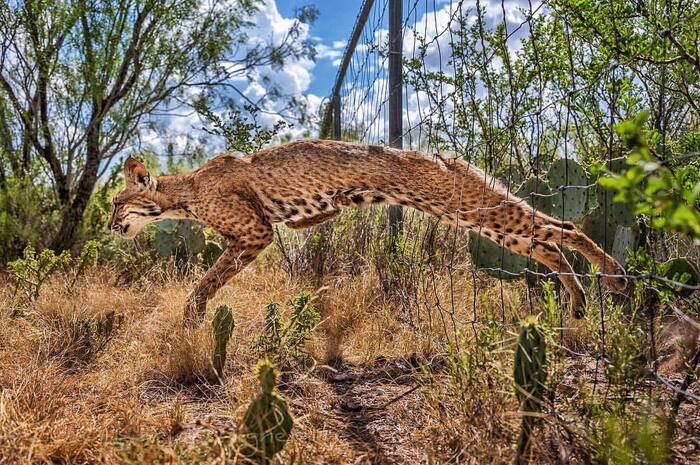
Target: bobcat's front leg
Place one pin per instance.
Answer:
(239, 253)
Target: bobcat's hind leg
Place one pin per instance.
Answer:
(570, 236)
(551, 256)
(310, 221)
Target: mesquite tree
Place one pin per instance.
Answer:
(79, 80)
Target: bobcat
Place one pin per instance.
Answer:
(308, 182)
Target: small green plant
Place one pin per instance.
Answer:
(223, 328)
(268, 419)
(626, 438)
(282, 343)
(87, 258)
(626, 343)
(551, 314)
(529, 376)
(680, 270)
(31, 272)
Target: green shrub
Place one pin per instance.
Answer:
(33, 270)
(284, 344)
(628, 439)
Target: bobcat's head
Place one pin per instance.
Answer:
(134, 206)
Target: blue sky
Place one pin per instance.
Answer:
(334, 24)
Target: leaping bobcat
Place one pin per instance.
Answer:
(308, 182)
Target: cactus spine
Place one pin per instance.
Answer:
(223, 327)
(268, 419)
(529, 376)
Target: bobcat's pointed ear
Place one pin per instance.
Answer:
(136, 174)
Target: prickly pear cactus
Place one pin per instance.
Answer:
(624, 241)
(592, 200)
(488, 254)
(179, 238)
(683, 271)
(268, 419)
(569, 203)
(223, 327)
(533, 186)
(602, 225)
(529, 377)
(603, 222)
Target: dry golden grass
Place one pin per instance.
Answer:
(149, 394)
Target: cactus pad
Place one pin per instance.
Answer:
(533, 186)
(211, 252)
(268, 419)
(510, 176)
(530, 367)
(529, 377)
(223, 328)
(602, 228)
(179, 238)
(569, 203)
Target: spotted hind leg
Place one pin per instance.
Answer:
(551, 256)
(570, 236)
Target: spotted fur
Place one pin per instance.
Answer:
(305, 183)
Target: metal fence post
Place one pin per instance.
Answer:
(337, 135)
(395, 98)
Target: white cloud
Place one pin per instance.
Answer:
(293, 79)
(323, 51)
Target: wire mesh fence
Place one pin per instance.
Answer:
(516, 89)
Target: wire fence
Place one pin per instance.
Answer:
(482, 81)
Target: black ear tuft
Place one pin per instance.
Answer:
(136, 173)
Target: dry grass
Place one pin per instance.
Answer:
(382, 389)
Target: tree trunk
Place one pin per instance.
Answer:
(73, 213)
